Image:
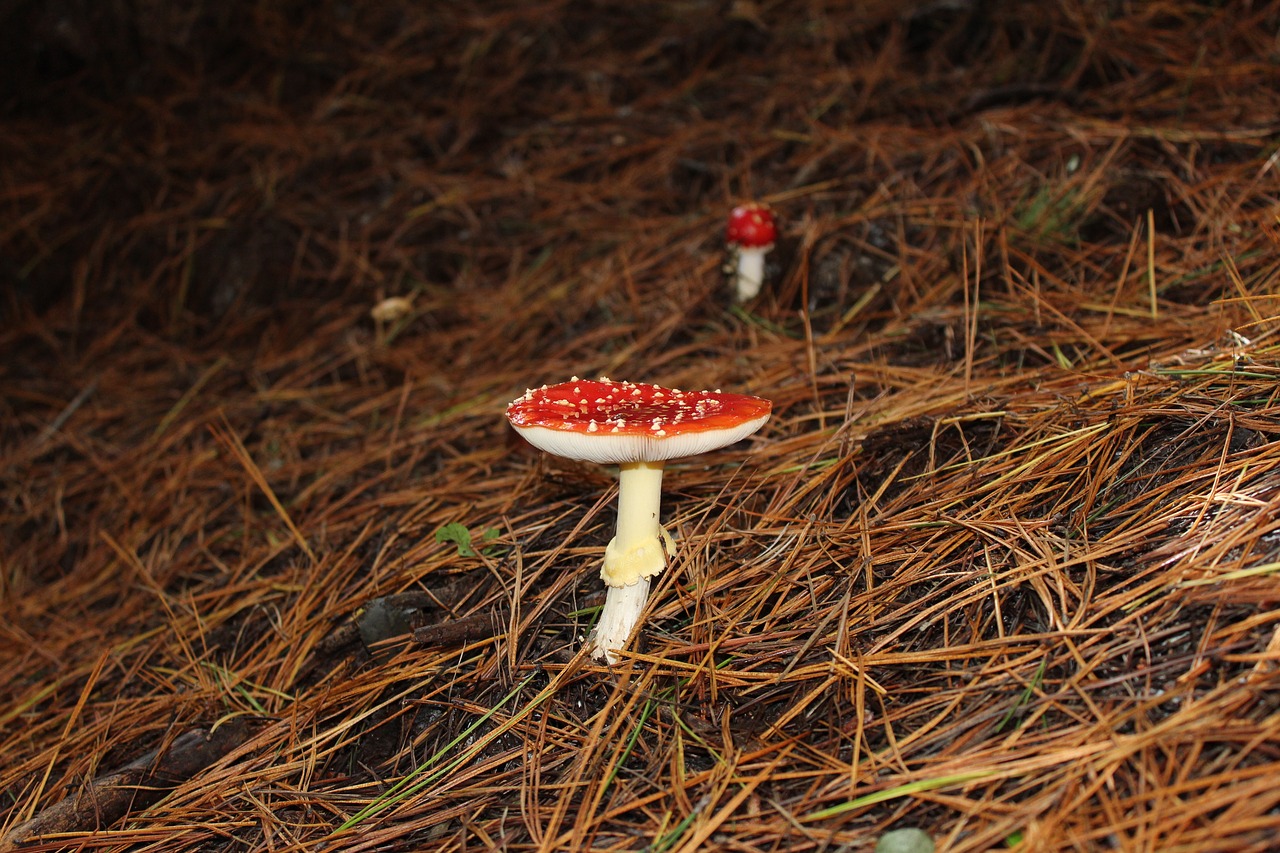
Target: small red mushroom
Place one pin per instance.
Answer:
(638, 427)
(751, 232)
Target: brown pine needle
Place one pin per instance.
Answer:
(1002, 566)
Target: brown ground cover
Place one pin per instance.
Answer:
(1003, 565)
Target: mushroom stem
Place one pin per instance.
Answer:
(622, 608)
(636, 550)
(633, 556)
(750, 273)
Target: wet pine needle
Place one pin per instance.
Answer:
(1005, 564)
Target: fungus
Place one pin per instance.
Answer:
(638, 427)
(751, 232)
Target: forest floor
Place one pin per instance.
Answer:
(1004, 565)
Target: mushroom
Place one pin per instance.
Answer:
(751, 232)
(637, 426)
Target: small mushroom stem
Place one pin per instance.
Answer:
(633, 556)
(750, 274)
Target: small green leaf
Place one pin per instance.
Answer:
(458, 535)
(488, 536)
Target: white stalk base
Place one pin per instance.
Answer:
(750, 274)
(622, 608)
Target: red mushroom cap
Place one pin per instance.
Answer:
(616, 422)
(751, 226)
